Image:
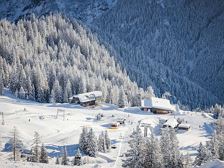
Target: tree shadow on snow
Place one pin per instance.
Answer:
(189, 148)
(57, 151)
(106, 125)
(135, 110)
(114, 141)
(66, 105)
(208, 128)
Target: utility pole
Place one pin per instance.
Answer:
(3, 121)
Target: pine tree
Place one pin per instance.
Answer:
(22, 93)
(29, 88)
(36, 147)
(102, 143)
(43, 155)
(122, 101)
(67, 91)
(64, 160)
(82, 85)
(22, 77)
(57, 161)
(169, 148)
(83, 144)
(57, 92)
(213, 146)
(78, 158)
(133, 154)
(165, 146)
(175, 159)
(187, 161)
(149, 92)
(203, 155)
(109, 95)
(151, 154)
(91, 143)
(107, 141)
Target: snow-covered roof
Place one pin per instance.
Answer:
(159, 103)
(183, 125)
(88, 96)
(172, 122)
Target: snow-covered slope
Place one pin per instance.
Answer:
(55, 132)
(213, 164)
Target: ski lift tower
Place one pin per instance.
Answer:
(62, 112)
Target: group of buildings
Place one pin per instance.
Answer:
(153, 104)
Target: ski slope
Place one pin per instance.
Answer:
(64, 129)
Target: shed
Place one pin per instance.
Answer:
(171, 123)
(115, 125)
(184, 126)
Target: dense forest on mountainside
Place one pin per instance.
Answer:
(50, 58)
(174, 46)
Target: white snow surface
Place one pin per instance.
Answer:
(65, 130)
(213, 164)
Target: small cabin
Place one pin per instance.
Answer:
(121, 121)
(157, 105)
(171, 123)
(184, 126)
(86, 99)
(115, 125)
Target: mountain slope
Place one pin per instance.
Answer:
(85, 10)
(174, 46)
(51, 58)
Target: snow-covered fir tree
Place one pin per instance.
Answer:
(91, 143)
(83, 143)
(107, 141)
(169, 148)
(132, 159)
(78, 158)
(149, 92)
(57, 161)
(203, 155)
(122, 101)
(165, 146)
(57, 92)
(43, 154)
(187, 161)
(102, 143)
(22, 93)
(64, 159)
(214, 148)
(151, 155)
(36, 147)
